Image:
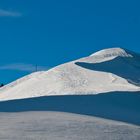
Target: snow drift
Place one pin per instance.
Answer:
(120, 106)
(63, 126)
(108, 70)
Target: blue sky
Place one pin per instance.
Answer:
(51, 32)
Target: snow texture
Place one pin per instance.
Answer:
(108, 70)
(63, 126)
(120, 106)
(115, 73)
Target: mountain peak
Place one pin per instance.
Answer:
(113, 52)
(102, 73)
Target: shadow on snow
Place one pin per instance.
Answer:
(122, 106)
(128, 68)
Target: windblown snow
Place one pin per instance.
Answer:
(63, 126)
(108, 70)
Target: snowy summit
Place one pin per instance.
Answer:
(108, 70)
(112, 52)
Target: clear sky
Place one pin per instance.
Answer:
(51, 32)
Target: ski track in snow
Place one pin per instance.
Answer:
(108, 70)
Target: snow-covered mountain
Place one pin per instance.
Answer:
(108, 70)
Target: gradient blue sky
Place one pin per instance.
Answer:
(51, 32)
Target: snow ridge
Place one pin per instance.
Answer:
(112, 52)
(99, 73)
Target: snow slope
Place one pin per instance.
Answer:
(63, 126)
(108, 70)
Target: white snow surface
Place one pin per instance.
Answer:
(112, 52)
(73, 79)
(63, 126)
